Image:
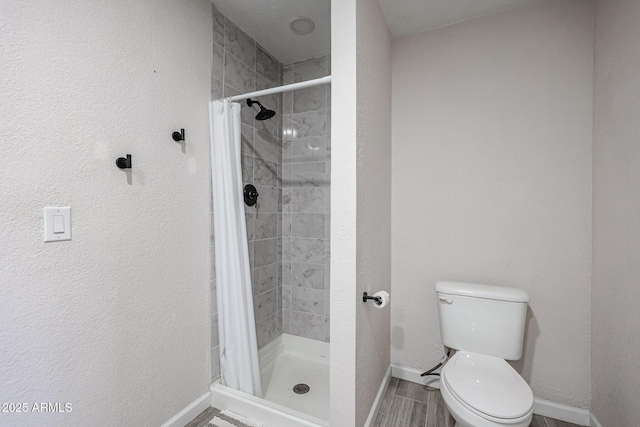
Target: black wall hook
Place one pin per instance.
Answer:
(124, 163)
(178, 136)
(366, 297)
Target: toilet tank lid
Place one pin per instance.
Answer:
(477, 290)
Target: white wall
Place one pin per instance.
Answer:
(115, 321)
(374, 202)
(616, 225)
(361, 206)
(343, 212)
(492, 133)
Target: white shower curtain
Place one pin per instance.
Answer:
(239, 362)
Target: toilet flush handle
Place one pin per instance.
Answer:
(447, 300)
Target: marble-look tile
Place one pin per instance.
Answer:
(327, 251)
(217, 89)
(327, 276)
(265, 173)
(286, 176)
(286, 297)
(268, 330)
(265, 252)
(287, 74)
(307, 275)
(239, 44)
(287, 127)
(307, 225)
(214, 296)
(267, 147)
(311, 69)
(249, 222)
(270, 126)
(286, 200)
(268, 66)
(246, 163)
(238, 75)
(287, 103)
(327, 303)
(327, 203)
(286, 249)
(307, 325)
(246, 114)
(327, 329)
(308, 174)
(215, 363)
(273, 101)
(286, 272)
(310, 99)
(307, 250)
(265, 225)
(269, 199)
(264, 278)
(286, 321)
(218, 26)
(214, 331)
(327, 227)
(307, 200)
(251, 257)
(217, 61)
(286, 224)
(247, 147)
(312, 123)
(307, 300)
(265, 305)
(309, 149)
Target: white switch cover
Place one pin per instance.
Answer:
(57, 224)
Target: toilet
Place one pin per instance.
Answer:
(485, 325)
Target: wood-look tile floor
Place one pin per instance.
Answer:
(405, 404)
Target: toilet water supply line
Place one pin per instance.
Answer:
(442, 362)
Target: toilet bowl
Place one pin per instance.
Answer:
(485, 324)
(485, 391)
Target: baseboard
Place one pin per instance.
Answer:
(194, 409)
(593, 421)
(413, 375)
(375, 408)
(569, 414)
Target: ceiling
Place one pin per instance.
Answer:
(267, 21)
(405, 17)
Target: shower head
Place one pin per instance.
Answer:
(264, 113)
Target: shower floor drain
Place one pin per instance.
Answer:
(300, 388)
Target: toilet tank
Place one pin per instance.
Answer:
(483, 319)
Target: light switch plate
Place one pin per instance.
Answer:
(57, 229)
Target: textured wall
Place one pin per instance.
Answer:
(343, 219)
(306, 193)
(240, 65)
(616, 225)
(492, 131)
(115, 320)
(374, 202)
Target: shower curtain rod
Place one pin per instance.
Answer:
(285, 88)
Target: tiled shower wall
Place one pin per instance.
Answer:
(240, 65)
(306, 172)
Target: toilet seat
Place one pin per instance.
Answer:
(488, 386)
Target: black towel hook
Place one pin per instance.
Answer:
(178, 136)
